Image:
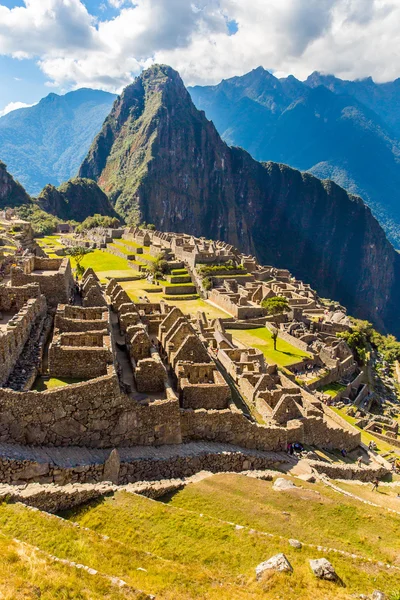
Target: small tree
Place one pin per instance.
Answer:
(207, 283)
(275, 305)
(77, 253)
(274, 335)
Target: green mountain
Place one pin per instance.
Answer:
(46, 143)
(12, 194)
(160, 160)
(345, 131)
(75, 199)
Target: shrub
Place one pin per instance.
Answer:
(210, 269)
(275, 305)
(207, 283)
(98, 221)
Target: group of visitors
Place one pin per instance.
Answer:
(296, 447)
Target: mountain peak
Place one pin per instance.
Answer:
(161, 161)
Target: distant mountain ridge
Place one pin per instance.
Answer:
(347, 131)
(47, 142)
(161, 161)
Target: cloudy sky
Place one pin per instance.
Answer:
(59, 45)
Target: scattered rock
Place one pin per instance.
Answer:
(296, 544)
(282, 484)
(111, 467)
(377, 595)
(323, 569)
(308, 477)
(279, 562)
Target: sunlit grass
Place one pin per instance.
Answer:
(261, 338)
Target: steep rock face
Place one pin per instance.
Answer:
(332, 128)
(75, 199)
(12, 193)
(162, 161)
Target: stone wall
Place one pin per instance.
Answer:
(13, 340)
(229, 427)
(345, 471)
(93, 414)
(77, 318)
(55, 286)
(78, 362)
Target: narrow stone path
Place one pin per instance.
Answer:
(79, 456)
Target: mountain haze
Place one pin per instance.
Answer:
(345, 131)
(160, 160)
(47, 142)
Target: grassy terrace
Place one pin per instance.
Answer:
(333, 389)
(284, 355)
(190, 546)
(141, 287)
(382, 446)
(107, 265)
(206, 556)
(50, 240)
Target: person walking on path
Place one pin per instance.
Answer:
(375, 485)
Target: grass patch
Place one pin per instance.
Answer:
(179, 272)
(50, 240)
(261, 338)
(333, 389)
(188, 531)
(182, 549)
(28, 574)
(104, 262)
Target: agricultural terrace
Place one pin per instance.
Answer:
(261, 338)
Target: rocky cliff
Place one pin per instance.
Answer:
(12, 193)
(160, 160)
(75, 199)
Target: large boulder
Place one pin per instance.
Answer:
(323, 569)
(281, 485)
(279, 562)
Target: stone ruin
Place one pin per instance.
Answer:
(144, 375)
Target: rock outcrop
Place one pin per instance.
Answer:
(76, 199)
(160, 160)
(12, 193)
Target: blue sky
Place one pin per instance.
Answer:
(61, 45)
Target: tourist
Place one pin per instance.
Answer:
(375, 485)
(359, 462)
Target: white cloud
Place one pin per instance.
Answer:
(350, 38)
(13, 106)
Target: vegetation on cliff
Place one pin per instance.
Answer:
(12, 194)
(75, 199)
(347, 131)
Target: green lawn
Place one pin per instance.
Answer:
(50, 240)
(261, 338)
(106, 264)
(332, 389)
